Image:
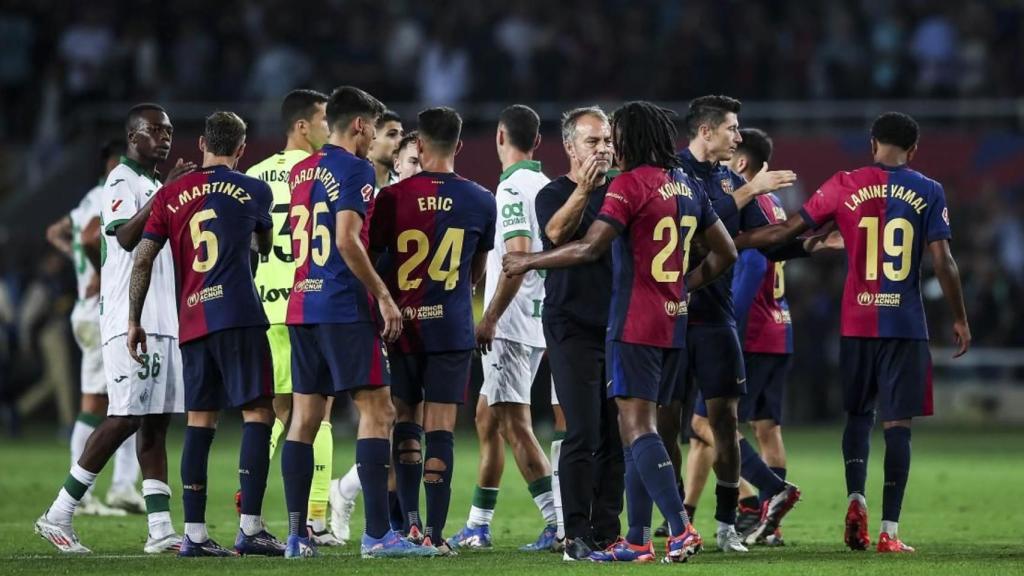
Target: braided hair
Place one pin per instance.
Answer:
(645, 133)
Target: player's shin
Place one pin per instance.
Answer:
(655, 470)
(856, 446)
(194, 459)
(373, 456)
(897, 470)
(253, 468)
(408, 459)
(297, 473)
(754, 470)
(437, 476)
(639, 505)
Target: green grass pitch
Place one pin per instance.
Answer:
(963, 512)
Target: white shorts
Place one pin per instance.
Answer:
(139, 389)
(509, 370)
(87, 334)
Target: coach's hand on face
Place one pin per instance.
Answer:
(588, 175)
(392, 317)
(136, 338)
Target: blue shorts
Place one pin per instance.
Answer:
(714, 363)
(766, 387)
(440, 377)
(895, 373)
(645, 372)
(329, 359)
(228, 368)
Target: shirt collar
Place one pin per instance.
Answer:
(522, 164)
(139, 169)
(701, 168)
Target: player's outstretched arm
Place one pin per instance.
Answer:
(722, 254)
(588, 249)
(138, 287)
(948, 274)
(772, 235)
(763, 182)
(348, 225)
(58, 235)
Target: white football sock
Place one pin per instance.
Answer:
(63, 507)
(556, 486)
(160, 524)
(546, 504)
(350, 485)
(251, 524)
(196, 532)
(890, 528)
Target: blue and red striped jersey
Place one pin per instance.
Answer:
(209, 217)
(656, 213)
(427, 229)
(759, 294)
(325, 291)
(887, 216)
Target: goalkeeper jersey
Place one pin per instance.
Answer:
(276, 272)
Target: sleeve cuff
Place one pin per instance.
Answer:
(111, 228)
(619, 226)
(154, 236)
(516, 234)
(808, 219)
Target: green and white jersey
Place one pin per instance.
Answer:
(516, 195)
(276, 272)
(127, 189)
(86, 309)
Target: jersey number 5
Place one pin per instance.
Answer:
(667, 227)
(897, 248)
(416, 241)
(203, 238)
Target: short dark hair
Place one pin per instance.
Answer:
(756, 146)
(135, 114)
(112, 147)
(709, 110)
(522, 125)
(348, 102)
(570, 118)
(441, 126)
(895, 128)
(386, 116)
(224, 133)
(409, 138)
(300, 105)
(644, 133)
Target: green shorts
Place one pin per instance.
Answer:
(281, 353)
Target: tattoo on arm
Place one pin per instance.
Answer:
(145, 253)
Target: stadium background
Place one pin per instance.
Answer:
(813, 75)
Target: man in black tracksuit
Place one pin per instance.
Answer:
(591, 470)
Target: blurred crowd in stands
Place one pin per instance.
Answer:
(58, 57)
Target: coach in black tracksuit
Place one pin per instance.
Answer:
(591, 469)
